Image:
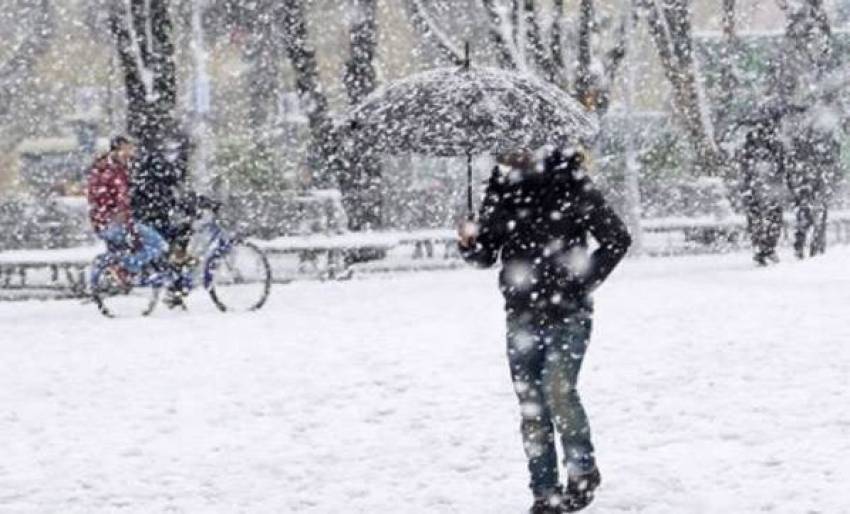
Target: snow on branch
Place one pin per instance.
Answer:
(501, 33)
(145, 74)
(426, 24)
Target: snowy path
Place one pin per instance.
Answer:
(712, 388)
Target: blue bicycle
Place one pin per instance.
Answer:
(235, 272)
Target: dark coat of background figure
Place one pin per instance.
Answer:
(539, 221)
(763, 189)
(813, 167)
(157, 180)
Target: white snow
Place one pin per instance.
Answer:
(712, 387)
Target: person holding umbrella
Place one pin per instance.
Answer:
(537, 214)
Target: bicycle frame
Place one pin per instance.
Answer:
(215, 245)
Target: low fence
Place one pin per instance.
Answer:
(26, 274)
(678, 236)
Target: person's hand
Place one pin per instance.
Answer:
(120, 218)
(467, 233)
(134, 239)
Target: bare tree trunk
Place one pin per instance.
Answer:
(263, 54)
(728, 63)
(632, 171)
(201, 87)
(584, 81)
(142, 30)
(360, 183)
(303, 57)
(556, 43)
(671, 32)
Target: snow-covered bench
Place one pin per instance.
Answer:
(336, 256)
(677, 235)
(329, 256)
(62, 273)
(29, 273)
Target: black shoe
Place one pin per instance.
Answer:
(174, 300)
(551, 504)
(580, 490)
(765, 259)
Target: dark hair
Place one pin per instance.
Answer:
(118, 141)
(567, 160)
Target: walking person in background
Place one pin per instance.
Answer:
(763, 189)
(111, 214)
(159, 172)
(813, 166)
(536, 216)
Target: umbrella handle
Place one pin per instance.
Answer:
(470, 213)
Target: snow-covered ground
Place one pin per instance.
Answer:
(712, 387)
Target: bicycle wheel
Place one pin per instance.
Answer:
(116, 298)
(239, 279)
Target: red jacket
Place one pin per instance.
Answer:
(109, 193)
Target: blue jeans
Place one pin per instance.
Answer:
(118, 241)
(545, 357)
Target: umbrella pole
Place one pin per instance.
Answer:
(469, 211)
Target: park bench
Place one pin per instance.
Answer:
(36, 273)
(681, 235)
(62, 273)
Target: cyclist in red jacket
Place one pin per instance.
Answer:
(110, 212)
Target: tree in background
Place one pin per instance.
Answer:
(517, 40)
(38, 27)
(142, 32)
(670, 28)
(360, 180)
(804, 58)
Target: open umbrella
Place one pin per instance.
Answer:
(464, 111)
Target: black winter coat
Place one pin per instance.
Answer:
(763, 172)
(539, 222)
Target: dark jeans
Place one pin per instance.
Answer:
(545, 357)
(811, 216)
(764, 221)
(117, 238)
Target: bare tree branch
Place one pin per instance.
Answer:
(614, 56)
(428, 27)
(507, 58)
(584, 80)
(670, 30)
(535, 41)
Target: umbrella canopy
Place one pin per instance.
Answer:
(450, 112)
